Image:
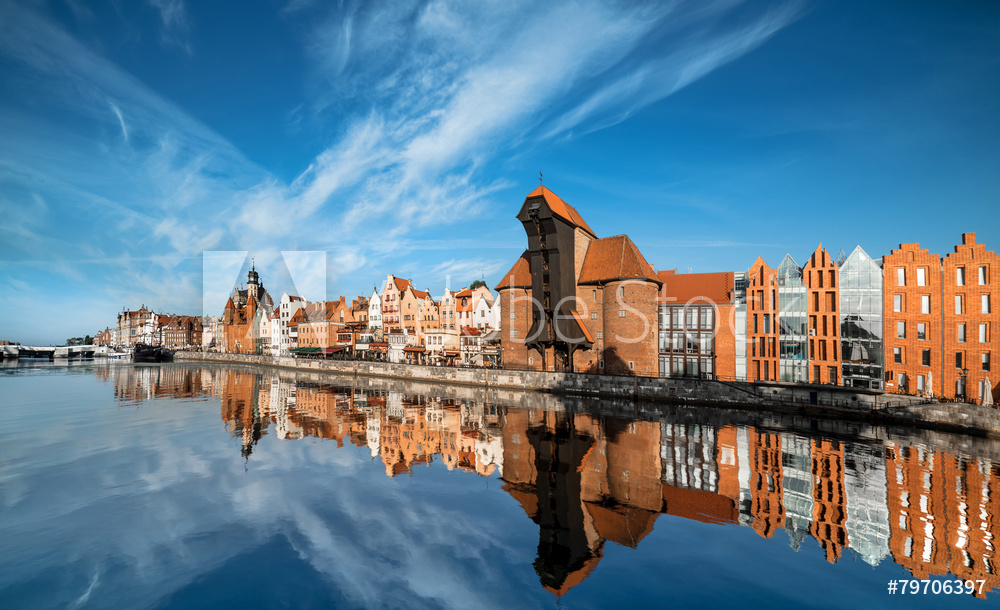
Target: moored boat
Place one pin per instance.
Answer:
(150, 353)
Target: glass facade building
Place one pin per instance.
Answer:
(793, 315)
(687, 340)
(861, 300)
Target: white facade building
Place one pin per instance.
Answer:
(374, 310)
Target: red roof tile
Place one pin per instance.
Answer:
(562, 209)
(615, 258)
(519, 275)
(682, 287)
(401, 284)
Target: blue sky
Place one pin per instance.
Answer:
(402, 137)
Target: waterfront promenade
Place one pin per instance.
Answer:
(812, 402)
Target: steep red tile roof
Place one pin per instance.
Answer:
(519, 275)
(679, 288)
(562, 209)
(420, 294)
(615, 258)
(401, 284)
(468, 330)
(465, 292)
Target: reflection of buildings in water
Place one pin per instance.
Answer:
(942, 514)
(797, 487)
(586, 479)
(829, 500)
(767, 507)
(241, 408)
(867, 511)
(583, 480)
(140, 383)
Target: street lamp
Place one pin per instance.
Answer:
(965, 392)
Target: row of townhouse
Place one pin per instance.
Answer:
(144, 326)
(399, 324)
(910, 322)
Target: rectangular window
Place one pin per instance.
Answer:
(595, 297)
(600, 334)
(897, 302)
(982, 276)
(961, 333)
(901, 277)
(921, 332)
(631, 365)
(513, 333)
(920, 383)
(983, 333)
(986, 361)
(921, 276)
(593, 316)
(925, 303)
(958, 360)
(958, 304)
(986, 303)
(705, 318)
(897, 355)
(901, 329)
(926, 357)
(960, 276)
(621, 313)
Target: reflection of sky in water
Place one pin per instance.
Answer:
(147, 501)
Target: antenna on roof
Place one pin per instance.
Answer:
(540, 177)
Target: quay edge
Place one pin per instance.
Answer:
(821, 402)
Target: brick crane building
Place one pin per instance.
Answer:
(576, 302)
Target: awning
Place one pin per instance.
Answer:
(451, 354)
(326, 351)
(413, 349)
(304, 351)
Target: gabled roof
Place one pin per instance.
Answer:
(561, 209)
(420, 294)
(615, 258)
(401, 284)
(519, 275)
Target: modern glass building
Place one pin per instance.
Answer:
(861, 351)
(793, 340)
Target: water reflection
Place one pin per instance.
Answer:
(586, 477)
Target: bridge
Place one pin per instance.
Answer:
(16, 352)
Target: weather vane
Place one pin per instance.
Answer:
(540, 177)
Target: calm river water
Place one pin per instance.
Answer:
(185, 486)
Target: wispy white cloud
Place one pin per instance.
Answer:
(121, 120)
(174, 18)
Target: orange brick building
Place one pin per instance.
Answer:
(823, 304)
(574, 302)
(941, 320)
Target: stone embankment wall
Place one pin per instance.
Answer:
(811, 403)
